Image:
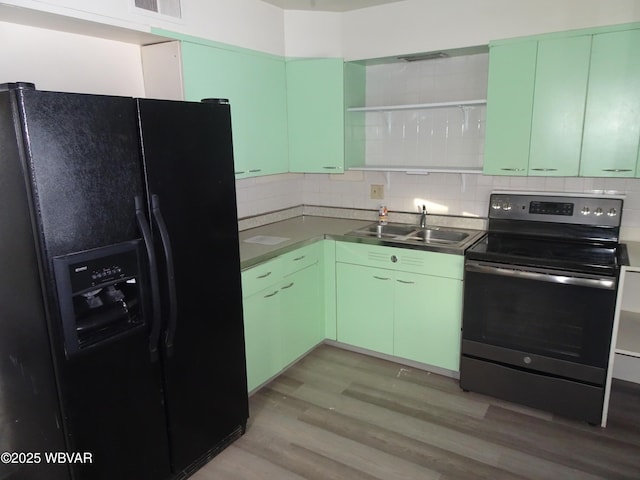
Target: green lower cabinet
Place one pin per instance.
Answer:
(415, 315)
(427, 319)
(262, 331)
(365, 307)
(302, 312)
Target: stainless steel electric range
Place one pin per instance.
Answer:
(539, 300)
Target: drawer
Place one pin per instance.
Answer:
(261, 276)
(301, 258)
(401, 259)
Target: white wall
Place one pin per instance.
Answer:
(420, 26)
(246, 23)
(312, 34)
(67, 62)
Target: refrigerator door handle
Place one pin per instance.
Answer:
(168, 255)
(154, 335)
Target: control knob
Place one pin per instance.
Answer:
(598, 212)
(612, 212)
(506, 206)
(585, 211)
(496, 205)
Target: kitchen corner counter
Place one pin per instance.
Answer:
(633, 251)
(289, 235)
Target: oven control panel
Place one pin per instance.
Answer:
(584, 210)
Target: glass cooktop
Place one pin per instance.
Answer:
(537, 252)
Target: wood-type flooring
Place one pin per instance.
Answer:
(338, 414)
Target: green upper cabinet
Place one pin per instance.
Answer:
(562, 69)
(612, 123)
(255, 85)
(315, 105)
(509, 108)
(565, 104)
(535, 107)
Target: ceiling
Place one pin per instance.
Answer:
(328, 5)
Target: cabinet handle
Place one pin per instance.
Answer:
(255, 170)
(287, 286)
(406, 282)
(617, 170)
(381, 278)
(330, 168)
(271, 294)
(299, 258)
(265, 275)
(513, 169)
(239, 173)
(544, 169)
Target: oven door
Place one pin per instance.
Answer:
(548, 321)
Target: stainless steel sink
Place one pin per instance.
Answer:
(438, 235)
(413, 235)
(388, 230)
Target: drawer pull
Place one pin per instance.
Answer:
(544, 169)
(287, 286)
(406, 282)
(512, 169)
(381, 278)
(255, 170)
(615, 170)
(299, 258)
(269, 295)
(265, 275)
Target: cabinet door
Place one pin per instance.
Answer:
(428, 312)
(315, 103)
(262, 335)
(302, 312)
(255, 86)
(561, 76)
(509, 108)
(365, 307)
(612, 122)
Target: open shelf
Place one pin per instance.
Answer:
(419, 106)
(417, 170)
(628, 342)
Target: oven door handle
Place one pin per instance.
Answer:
(607, 283)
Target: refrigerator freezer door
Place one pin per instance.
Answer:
(30, 419)
(82, 155)
(84, 158)
(189, 163)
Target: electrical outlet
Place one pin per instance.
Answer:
(377, 192)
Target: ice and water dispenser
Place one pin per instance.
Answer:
(100, 295)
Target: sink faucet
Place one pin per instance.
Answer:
(423, 217)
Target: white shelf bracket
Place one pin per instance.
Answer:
(463, 182)
(465, 111)
(387, 176)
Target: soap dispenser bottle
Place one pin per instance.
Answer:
(382, 215)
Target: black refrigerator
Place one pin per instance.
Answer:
(121, 330)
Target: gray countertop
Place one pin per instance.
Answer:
(296, 231)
